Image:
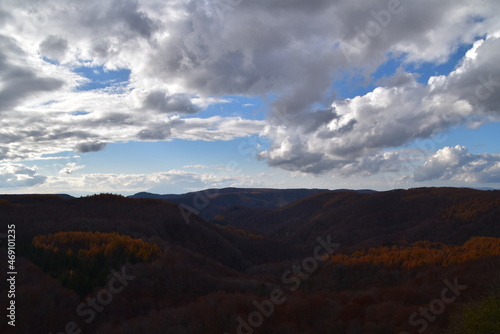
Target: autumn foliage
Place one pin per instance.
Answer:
(240, 231)
(423, 253)
(83, 260)
(93, 244)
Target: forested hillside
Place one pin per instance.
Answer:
(448, 215)
(406, 261)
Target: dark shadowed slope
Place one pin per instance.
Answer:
(212, 202)
(139, 218)
(449, 215)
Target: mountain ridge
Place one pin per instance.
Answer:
(209, 203)
(437, 214)
(205, 277)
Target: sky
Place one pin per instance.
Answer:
(172, 96)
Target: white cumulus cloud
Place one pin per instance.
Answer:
(457, 163)
(19, 175)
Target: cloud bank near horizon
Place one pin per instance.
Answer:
(184, 56)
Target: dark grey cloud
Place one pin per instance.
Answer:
(4, 152)
(162, 130)
(290, 47)
(252, 50)
(307, 122)
(54, 47)
(400, 78)
(110, 118)
(89, 147)
(128, 13)
(19, 82)
(66, 133)
(318, 163)
(7, 138)
(155, 132)
(165, 103)
(119, 18)
(4, 17)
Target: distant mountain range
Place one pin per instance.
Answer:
(211, 202)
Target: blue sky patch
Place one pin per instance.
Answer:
(80, 113)
(101, 78)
